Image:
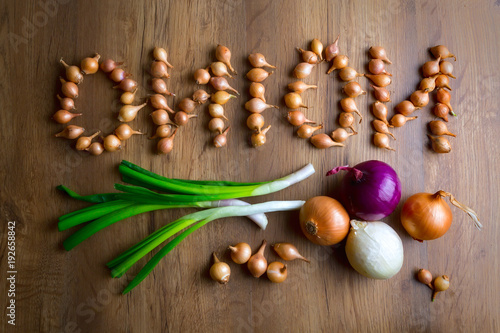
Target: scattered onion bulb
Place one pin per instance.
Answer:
(258, 60)
(377, 66)
(70, 132)
(255, 122)
(346, 120)
(349, 73)
(428, 84)
(129, 112)
(381, 140)
(216, 111)
(128, 97)
(220, 271)
(84, 142)
(160, 102)
(160, 54)
(124, 132)
(442, 81)
(159, 69)
(297, 118)
(95, 149)
(380, 80)
(220, 140)
(299, 87)
(323, 141)
(90, 65)
(381, 127)
(332, 50)
(294, 101)
(443, 96)
(374, 249)
(440, 144)
(66, 103)
(187, 105)
(340, 135)
(317, 47)
(277, 272)
(427, 216)
(259, 139)
(69, 89)
(160, 87)
(256, 105)
(378, 52)
(64, 116)
(380, 111)
(221, 97)
(288, 251)
(381, 94)
(200, 96)
(339, 62)
(308, 56)
(162, 131)
(73, 73)
(127, 85)
(166, 145)
(419, 98)
(440, 110)
(257, 264)
(108, 65)
(240, 253)
(306, 131)
(353, 89)
(202, 76)
(160, 117)
(441, 283)
(437, 127)
(258, 74)
(302, 70)
(405, 108)
(112, 143)
(398, 120)
(323, 220)
(425, 277)
(223, 54)
(220, 83)
(446, 68)
(181, 118)
(349, 105)
(118, 74)
(441, 51)
(431, 68)
(216, 125)
(219, 69)
(257, 90)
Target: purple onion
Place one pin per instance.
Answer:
(370, 190)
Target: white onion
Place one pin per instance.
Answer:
(374, 249)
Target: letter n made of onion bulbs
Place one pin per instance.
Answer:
(324, 220)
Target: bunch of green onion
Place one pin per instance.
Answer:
(149, 191)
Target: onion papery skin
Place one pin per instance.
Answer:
(374, 249)
(426, 216)
(374, 195)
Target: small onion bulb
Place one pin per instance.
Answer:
(240, 253)
(277, 272)
(220, 271)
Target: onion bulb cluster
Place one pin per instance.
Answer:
(258, 104)
(70, 91)
(380, 79)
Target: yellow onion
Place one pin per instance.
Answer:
(324, 220)
(427, 216)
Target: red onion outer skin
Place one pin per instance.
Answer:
(374, 195)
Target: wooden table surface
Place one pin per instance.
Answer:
(59, 291)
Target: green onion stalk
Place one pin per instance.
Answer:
(149, 192)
